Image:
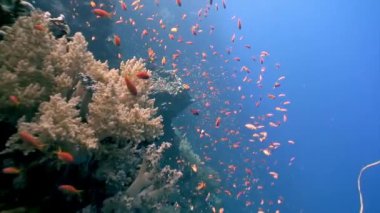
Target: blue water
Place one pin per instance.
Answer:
(329, 52)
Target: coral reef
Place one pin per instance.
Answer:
(206, 197)
(76, 119)
(151, 187)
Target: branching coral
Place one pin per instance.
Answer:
(59, 97)
(56, 125)
(116, 112)
(35, 65)
(150, 188)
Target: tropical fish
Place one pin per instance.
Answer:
(11, 170)
(65, 156)
(239, 24)
(143, 75)
(101, 13)
(69, 189)
(131, 87)
(116, 40)
(217, 122)
(30, 139)
(14, 100)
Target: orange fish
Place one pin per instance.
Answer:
(30, 139)
(131, 87)
(151, 54)
(201, 185)
(11, 170)
(194, 168)
(116, 40)
(171, 36)
(179, 2)
(143, 75)
(163, 61)
(144, 33)
(14, 100)
(217, 122)
(101, 13)
(92, 4)
(39, 27)
(65, 156)
(186, 86)
(69, 189)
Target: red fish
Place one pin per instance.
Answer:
(123, 5)
(69, 189)
(171, 36)
(179, 2)
(39, 27)
(11, 170)
(65, 156)
(131, 87)
(224, 4)
(116, 40)
(194, 111)
(217, 122)
(30, 139)
(144, 33)
(143, 75)
(14, 100)
(101, 13)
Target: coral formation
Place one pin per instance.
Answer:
(60, 98)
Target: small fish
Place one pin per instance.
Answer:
(123, 5)
(186, 86)
(194, 111)
(69, 189)
(30, 139)
(217, 122)
(163, 61)
(201, 185)
(179, 2)
(65, 156)
(144, 33)
(174, 30)
(14, 100)
(143, 75)
(116, 40)
(194, 168)
(101, 13)
(131, 87)
(39, 27)
(92, 4)
(239, 24)
(11, 170)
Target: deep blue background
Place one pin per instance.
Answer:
(330, 51)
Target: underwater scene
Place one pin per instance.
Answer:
(204, 106)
